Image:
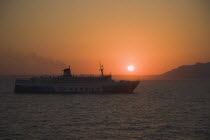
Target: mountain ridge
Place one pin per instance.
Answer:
(196, 71)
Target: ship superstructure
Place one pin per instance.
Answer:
(68, 83)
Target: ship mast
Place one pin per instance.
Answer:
(101, 69)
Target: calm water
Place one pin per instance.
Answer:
(157, 110)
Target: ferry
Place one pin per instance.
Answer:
(69, 83)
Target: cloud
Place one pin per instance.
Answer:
(15, 62)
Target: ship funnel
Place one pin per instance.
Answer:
(67, 72)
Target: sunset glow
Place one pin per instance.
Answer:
(46, 36)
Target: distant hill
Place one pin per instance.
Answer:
(197, 71)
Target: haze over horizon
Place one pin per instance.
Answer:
(40, 37)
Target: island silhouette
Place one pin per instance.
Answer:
(196, 71)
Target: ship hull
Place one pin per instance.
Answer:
(84, 87)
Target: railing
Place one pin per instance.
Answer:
(90, 75)
(65, 78)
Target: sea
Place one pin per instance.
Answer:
(158, 109)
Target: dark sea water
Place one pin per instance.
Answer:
(157, 110)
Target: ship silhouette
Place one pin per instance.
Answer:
(69, 83)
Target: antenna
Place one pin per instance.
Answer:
(101, 69)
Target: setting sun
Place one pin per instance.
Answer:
(131, 68)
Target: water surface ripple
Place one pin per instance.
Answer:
(157, 110)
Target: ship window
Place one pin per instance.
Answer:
(86, 89)
(81, 88)
(92, 89)
(76, 89)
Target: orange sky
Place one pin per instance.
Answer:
(153, 35)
